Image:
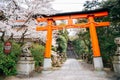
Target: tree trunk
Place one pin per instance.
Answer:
(3, 35)
(23, 37)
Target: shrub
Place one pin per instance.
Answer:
(62, 44)
(37, 52)
(8, 62)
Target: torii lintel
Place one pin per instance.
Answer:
(74, 15)
(80, 25)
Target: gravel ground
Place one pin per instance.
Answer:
(72, 69)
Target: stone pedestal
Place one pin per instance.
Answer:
(25, 65)
(98, 63)
(116, 62)
(47, 64)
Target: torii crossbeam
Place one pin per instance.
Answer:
(91, 24)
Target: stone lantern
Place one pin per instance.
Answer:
(26, 63)
(116, 61)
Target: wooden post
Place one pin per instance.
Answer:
(48, 39)
(94, 38)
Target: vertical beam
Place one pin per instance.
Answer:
(70, 22)
(94, 38)
(48, 40)
(98, 64)
(47, 55)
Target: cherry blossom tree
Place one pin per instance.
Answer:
(16, 10)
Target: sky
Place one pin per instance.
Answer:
(68, 5)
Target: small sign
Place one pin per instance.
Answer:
(7, 47)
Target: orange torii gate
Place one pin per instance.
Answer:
(91, 24)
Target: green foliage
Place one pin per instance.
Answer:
(7, 65)
(16, 51)
(88, 5)
(114, 10)
(106, 35)
(62, 44)
(8, 62)
(62, 41)
(82, 44)
(107, 45)
(64, 33)
(79, 49)
(85, 37)
(37, 52)
(54, 48)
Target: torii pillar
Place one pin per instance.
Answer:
(97, 59)
(47, 55)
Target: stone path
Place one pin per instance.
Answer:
(71, 54)
(72, 69)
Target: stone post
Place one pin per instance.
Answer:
(116, 61)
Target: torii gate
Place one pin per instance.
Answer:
(91, 24)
